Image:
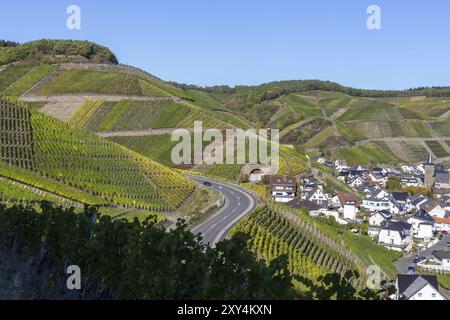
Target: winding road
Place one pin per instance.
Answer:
(238, 204)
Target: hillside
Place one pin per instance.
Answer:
(43, 153)
(402, 127)
(126, 103)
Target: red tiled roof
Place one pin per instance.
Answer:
(344, 197)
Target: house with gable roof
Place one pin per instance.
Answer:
(417, 287)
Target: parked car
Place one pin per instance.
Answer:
(444, 232)
(419, 258)
(207, 183)
(411, 269)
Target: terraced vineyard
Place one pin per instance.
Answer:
(76, 81)
(407, 151)
(44, 152)
(375, 110)
(371, 153)
(11, 74)
(273, 232)
(388, 129)
(27, 80)
(437, 148)
(82, 116)
(157, 147)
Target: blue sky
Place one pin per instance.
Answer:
(211, 42)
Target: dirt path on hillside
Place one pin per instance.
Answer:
(82, 97)
(140, 133)
(338, 113)
(63, 107)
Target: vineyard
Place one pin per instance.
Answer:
(95, 82)
(84, 113)
(41, 151)
(437, 148)
(156, 147)
(274, 232)
(27, 80)
(369, 154)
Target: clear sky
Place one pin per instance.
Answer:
(212, 42)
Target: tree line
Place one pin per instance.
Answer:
(133, 260)
(54, 49)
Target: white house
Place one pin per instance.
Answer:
(442, 224)
(433, 208)
(396, 235)
(417, 287)
(422, 224)
(420, 169)
(374, 204)
(283, 188)
(407, 169)
(316, 195)
(378, 178)
(379, 217)
(443, 258)
(357, 182)
(347, 203)
(341, 165)
(411, 182)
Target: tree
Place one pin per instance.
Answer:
(393, 184)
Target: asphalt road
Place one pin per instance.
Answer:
(403, 264)
(238, 204)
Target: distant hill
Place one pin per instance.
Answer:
(55, 51)
(315, 117)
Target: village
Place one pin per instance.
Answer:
(405, 208)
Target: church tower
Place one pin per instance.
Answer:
(429, 172)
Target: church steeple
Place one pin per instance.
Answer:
(430, 159)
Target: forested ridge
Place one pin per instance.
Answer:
(48, 50)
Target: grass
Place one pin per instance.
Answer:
(369, 154)
(437, 149)
(444, 281)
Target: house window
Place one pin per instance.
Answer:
(420, 294)
(433, 295)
